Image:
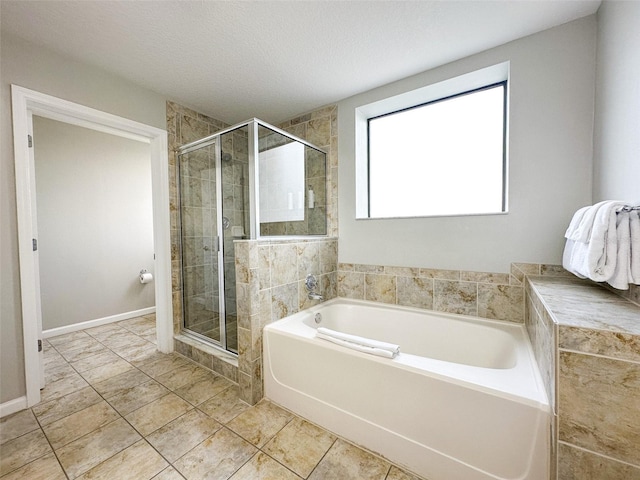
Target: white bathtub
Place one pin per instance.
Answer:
(463, 399)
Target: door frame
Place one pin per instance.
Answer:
(26, 103)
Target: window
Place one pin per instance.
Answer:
(441, 157)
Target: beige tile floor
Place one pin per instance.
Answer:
(115, 408)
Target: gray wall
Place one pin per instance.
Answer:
(42, 70)
(550, 148)
(95, 223)
(616, 152)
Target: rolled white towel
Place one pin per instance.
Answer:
(365, 342)
(356, 346)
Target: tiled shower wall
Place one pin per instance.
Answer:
(320, 128)
(315, 179)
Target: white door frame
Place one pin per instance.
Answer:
(27, 102)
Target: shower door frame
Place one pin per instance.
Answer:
(218, 244)
(254, 151)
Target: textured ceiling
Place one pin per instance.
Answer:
(275, 59)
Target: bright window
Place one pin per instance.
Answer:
(446, 157)
(440, 150)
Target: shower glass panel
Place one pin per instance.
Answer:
(292, 186)
(198, 187)
(235, 218)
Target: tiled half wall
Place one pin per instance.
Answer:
(586, 340)
(270, 278)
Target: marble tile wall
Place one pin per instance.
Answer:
(270, 285)
(315, 171)
(592, 368)
(320, 128)
(498, 296)
(541, 328)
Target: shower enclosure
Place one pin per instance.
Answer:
(249, 181)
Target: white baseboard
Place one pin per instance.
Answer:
(12, 406)
(52, 332)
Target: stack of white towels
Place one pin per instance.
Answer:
(603, 244)
(360, 344)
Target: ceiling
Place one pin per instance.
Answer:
(275, 59)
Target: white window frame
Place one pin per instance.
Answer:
(447, 88)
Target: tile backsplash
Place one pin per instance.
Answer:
(498, 296)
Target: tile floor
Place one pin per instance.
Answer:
(115, 408)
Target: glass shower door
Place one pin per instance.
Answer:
(200, 231)
(235, 218)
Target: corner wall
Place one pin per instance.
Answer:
(616, 146)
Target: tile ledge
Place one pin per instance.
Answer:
(605, 323)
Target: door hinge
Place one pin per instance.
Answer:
(34, 244)
(30, 140)
(39, 345)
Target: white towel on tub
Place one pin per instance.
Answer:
(361, 344)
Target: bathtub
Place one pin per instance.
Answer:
(462, 401)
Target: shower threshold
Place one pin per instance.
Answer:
(208, 355)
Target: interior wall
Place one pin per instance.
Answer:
(616, 148)
(42, 70)
(552, 77)
(95, 223)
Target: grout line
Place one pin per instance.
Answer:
(599, 454)
(598, 355)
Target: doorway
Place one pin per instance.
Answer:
(27, 103)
